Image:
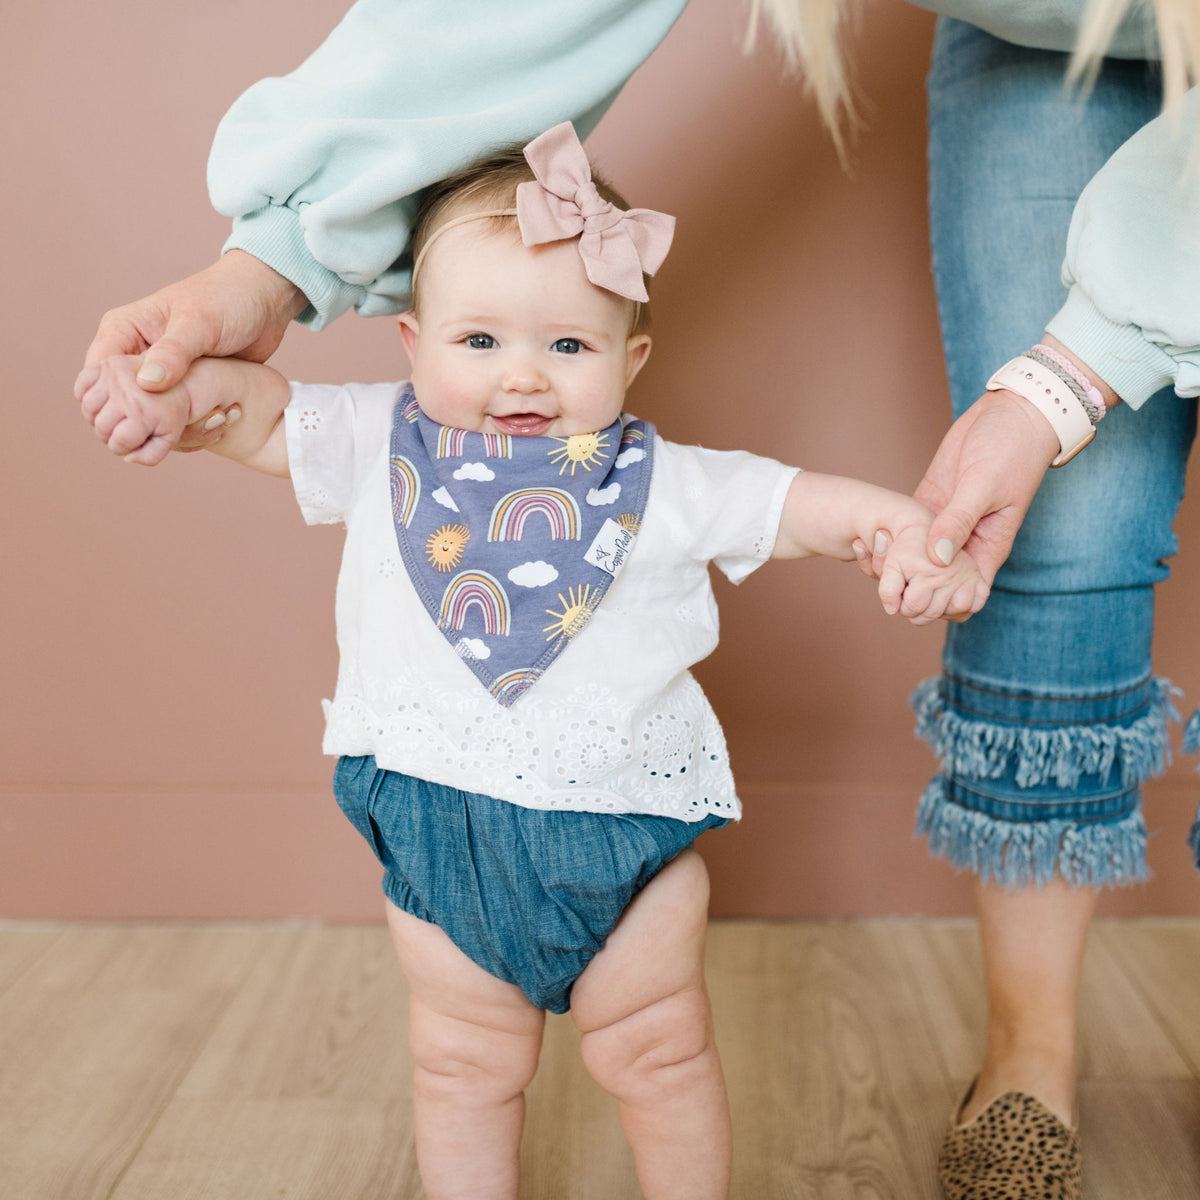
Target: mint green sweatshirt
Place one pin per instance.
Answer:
(320, 168)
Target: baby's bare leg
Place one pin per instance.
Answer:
(647, 1031)
(475, 1042)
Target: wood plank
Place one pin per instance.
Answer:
(321, 1014)
(836, 1086)
(1162, 959)
(167, 955)
(214, 1062)
(573, 1145)
(1120, 1037)
(1140, 1139)
(83, 1078)
(303, 1148)
(94, 1036)
(21, 946)
(945, 957)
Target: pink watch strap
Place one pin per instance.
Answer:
(1052, 398)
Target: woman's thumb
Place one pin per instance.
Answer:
(949, 533)
(166, 362)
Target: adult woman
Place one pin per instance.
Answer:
(317, 169)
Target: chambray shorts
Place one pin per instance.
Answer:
(528, 894)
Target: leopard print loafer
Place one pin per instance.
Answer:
(1016, 1149)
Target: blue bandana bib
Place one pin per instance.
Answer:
(512, 542)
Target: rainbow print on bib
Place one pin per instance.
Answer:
(512, 542)
(555, 505)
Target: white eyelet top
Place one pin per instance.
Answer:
(617, 723)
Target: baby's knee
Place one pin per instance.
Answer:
(654, 1050)
(454, 1059)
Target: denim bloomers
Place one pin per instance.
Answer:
(1047, 718)
(530, 895)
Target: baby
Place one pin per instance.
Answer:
(523, 590)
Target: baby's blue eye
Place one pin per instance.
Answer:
(481, 341)
(568, 346)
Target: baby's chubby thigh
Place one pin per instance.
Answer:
(641, 1003)
(469, 1031)
(648, 1041)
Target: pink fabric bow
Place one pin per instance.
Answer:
(616, 246)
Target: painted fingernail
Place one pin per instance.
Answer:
(860, 551)
(214, 421)
(152, 373)
(881, 543)
(233, 415)
(945, 551)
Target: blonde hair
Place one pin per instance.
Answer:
(809, 34)
(489, 185)
(1178, 25)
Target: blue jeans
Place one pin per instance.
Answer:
(1047, 718)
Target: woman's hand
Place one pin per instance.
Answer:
(983, 479)
(238, 306)
(200, 435)
(984, 476)
(987, 469)
(980, 484)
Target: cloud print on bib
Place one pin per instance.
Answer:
(605, 495)
(533, 574)
(514, 578)
(475, 470)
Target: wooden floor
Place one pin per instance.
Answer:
(225, 1062)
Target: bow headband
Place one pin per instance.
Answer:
(561, 201)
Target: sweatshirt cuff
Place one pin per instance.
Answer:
(273, 234)
(1120, 354)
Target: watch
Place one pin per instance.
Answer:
(1052, 398)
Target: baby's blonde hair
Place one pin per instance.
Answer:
(487, 185)
(809, 35)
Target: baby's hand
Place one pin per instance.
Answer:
(909, 584)
(140, 426)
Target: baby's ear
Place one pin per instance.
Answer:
(409, 332)
(637, 350)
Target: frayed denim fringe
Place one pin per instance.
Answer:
(1020, 854)
(1191, 734)
(983, 749)
(1191, 744)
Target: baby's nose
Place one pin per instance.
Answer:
(524, 376)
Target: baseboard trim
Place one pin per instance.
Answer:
(803, 850)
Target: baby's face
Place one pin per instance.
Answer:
(516, 340)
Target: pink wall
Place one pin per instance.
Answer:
(170, 632)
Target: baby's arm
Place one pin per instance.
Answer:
(110, 395)
(826, 514)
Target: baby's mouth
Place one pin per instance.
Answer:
(522, 424)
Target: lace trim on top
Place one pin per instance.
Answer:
(596, 755)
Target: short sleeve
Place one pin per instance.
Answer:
(334, 434)
(729, 501)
